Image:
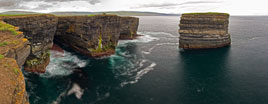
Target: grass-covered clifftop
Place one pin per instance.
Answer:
(206, 13)
(7, 27)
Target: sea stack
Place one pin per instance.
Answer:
(204, 30)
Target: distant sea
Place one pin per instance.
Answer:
(153, 70)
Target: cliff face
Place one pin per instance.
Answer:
(94, 36)
(12, 83)
(13, 47)
(204, 30)
(128, 27)
(39, 30)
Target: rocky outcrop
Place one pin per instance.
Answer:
(94, 36)
(39, 30)
(128, 28)
(204, 30)
(13, 45)
(12, 83)
(14, 50)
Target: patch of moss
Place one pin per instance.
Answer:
(206, 13)
(33, 61)
(16, 71)
(3, 44)
(2, 56)
(8, 27)
(91, 15)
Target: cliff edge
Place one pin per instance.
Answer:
(14, 50)
(39, 30)
(204, 30)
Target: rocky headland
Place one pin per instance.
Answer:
(204, 30)
(95, 36)
(25, 41)
(40, 31)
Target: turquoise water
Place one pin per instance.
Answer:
(152, 70)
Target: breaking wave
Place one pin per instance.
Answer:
(62, 64)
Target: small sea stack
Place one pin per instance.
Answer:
(204, 30)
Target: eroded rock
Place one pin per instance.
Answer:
(204, 30)
(40, 31)
(128, 28)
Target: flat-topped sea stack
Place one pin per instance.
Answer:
(204, 30)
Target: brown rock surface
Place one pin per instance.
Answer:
(204, 30)
(90, 35)
(12, 89)
(40, 31)
(128, 28)
(14, 46)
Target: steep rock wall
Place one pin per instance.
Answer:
(94, 36)
(14, 50)
(12, 89)
(204, 30)
(39, 30)
(14, 45)
(128, 27)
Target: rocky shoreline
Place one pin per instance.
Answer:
(25, 41)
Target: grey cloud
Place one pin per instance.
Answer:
(168, 5)
(18, 4)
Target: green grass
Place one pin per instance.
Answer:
(13, 14)
(1, 56)
(8, 27)
(91, 15)
(206, 13)
(3, 44)
(6, 15)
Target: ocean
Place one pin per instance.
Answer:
(153, 70)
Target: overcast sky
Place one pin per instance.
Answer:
(234, 7)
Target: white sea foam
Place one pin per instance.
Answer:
(160, 44)
(62, 65)
(138, 75)
(141, 39)
(76, 90)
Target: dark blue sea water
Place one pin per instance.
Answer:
(152, 70)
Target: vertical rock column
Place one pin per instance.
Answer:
(40, 31)
(204, 30)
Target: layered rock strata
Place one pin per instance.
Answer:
(39, 30)
(204, 30)
(95, 36)
(128, 28)
(14, 45)
(14, 50)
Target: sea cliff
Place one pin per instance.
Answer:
(14, 50)
(25, 40)
(204, 30)
(95, 36)
(128, 28)
(39, 30)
